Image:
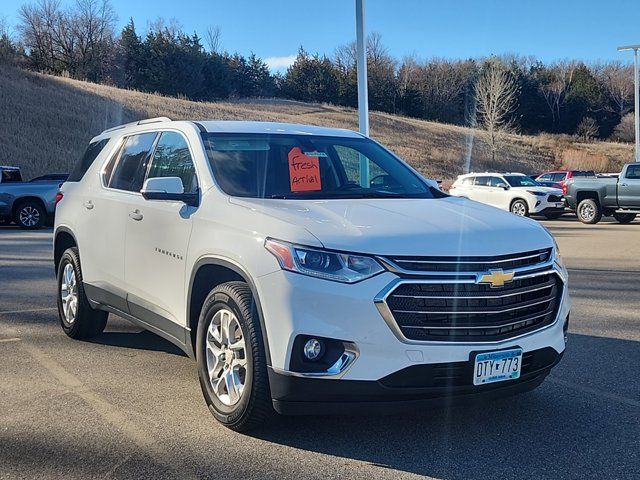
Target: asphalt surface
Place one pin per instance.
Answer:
(128, 404)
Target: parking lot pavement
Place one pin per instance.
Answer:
(128, 404)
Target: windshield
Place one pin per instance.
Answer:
(520, 181)
(309, 167)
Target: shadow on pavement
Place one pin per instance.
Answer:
(143, 340)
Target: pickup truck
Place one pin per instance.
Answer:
(28, 204)
(618, 197)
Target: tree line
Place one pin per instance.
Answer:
(500, 93)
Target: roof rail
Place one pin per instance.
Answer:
(139, 122)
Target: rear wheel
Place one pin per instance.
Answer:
(589, 211)
(30, 215)
(519, 207)
(624, 217)
(77, 318)
(231, 358)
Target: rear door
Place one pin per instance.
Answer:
(157, 238)
(629, 187)
(105, 214)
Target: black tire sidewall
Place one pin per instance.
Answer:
(624, 217)
(41, 212)
(227, 415)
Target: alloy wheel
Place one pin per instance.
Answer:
(519, 209)
(29, 216)
(226, 357)
(587, 212)
(69, 294)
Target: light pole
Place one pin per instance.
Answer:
(363, 95)
(635, 94)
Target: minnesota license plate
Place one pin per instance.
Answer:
(491, 367)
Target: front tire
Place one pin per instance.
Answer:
(520, 208)
(77, 318)
(231, 358)
(30, 216)
(624, 217)
(589, 211)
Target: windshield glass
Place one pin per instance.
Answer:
(309, 167)
(520, 181)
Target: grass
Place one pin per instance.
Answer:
(47, 122)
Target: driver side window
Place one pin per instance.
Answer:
(358, 168)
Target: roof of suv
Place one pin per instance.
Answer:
(236, 126)
(488, 174)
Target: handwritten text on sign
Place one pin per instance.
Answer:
(304, 171)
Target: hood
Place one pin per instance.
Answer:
(448, 226)
(549, 190)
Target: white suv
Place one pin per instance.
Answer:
(305, 269)
(514, 192)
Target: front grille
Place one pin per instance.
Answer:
(554, 199)
(470, 312)
(471, 264)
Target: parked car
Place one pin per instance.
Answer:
(306, 269)
(29, 204)
(618, 196)
(559, 178)
(514, 192)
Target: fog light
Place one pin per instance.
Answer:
(313, 349)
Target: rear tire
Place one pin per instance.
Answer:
(520, 208)
(232, 366)
(30, 215)
(589, 211)
(624, 217)
(77, 318)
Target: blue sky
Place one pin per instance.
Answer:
(274, 29)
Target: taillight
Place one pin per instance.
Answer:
(59, 196)
(564, 188)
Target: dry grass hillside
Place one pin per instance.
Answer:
(46, 122)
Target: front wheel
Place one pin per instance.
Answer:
(231, 358)
(624, 217)
(77, 318)
(589, 211)
(520, 208)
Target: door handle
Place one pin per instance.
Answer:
(624, 185)
(88, 205)
(136, 215)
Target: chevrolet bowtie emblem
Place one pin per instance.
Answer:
(495, 278)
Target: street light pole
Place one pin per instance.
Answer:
(636, 96)
(361, 47)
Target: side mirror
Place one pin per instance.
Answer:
(168, 189)
(503, 186)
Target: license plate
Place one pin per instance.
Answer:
(491, 367)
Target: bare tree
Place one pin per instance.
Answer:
(496, 96)
(554, 89)
(587, 129)
(616, 78)
(212, 38)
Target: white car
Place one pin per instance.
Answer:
(305, 269)
(514, 192)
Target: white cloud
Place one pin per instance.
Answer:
(280, 63)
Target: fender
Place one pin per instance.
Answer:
(59, 229)
(242, 272)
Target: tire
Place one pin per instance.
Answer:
(519, 207)
(624, 217)
(232, 304)
(77, 318)
(553, 216)
(30, 215)
(589, 211)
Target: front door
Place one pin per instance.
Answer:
(629, 188)
(157, 238)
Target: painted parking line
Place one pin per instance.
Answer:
(27, 310)
(8, 340)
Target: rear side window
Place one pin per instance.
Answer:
(90, 154)
(558, 177)
(11, 176)
(467, 181)
(172, 159)
(633, 172)
(131, 166)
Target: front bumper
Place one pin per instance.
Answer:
(541, 205)
(413, 387)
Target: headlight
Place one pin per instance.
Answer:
(339, 267)
(537, 194)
